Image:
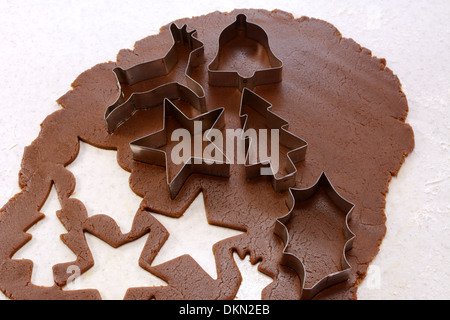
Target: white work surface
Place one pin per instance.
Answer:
(45, 45)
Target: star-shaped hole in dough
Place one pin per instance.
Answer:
(192, 234)
(115, 270)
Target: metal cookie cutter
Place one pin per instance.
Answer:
(150, 99)
(297, 145)
(292, 261)
(121, 110)
(234, 79)
(146, 148)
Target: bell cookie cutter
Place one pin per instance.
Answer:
(121, 110)
(254, 32)
(297, 145)
(292, 261)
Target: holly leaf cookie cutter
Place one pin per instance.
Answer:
(292, 261)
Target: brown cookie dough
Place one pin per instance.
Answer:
(345, 103)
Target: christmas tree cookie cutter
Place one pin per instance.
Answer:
(296, 145)
(292, 261)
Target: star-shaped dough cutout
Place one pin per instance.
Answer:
(115, 270)
(193, 235)
(154, 148)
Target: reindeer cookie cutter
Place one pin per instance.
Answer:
(121, 110)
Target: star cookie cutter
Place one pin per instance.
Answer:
(121, 110)
(297, 145)
(146, 148)
(254, 32)
(294, 262)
